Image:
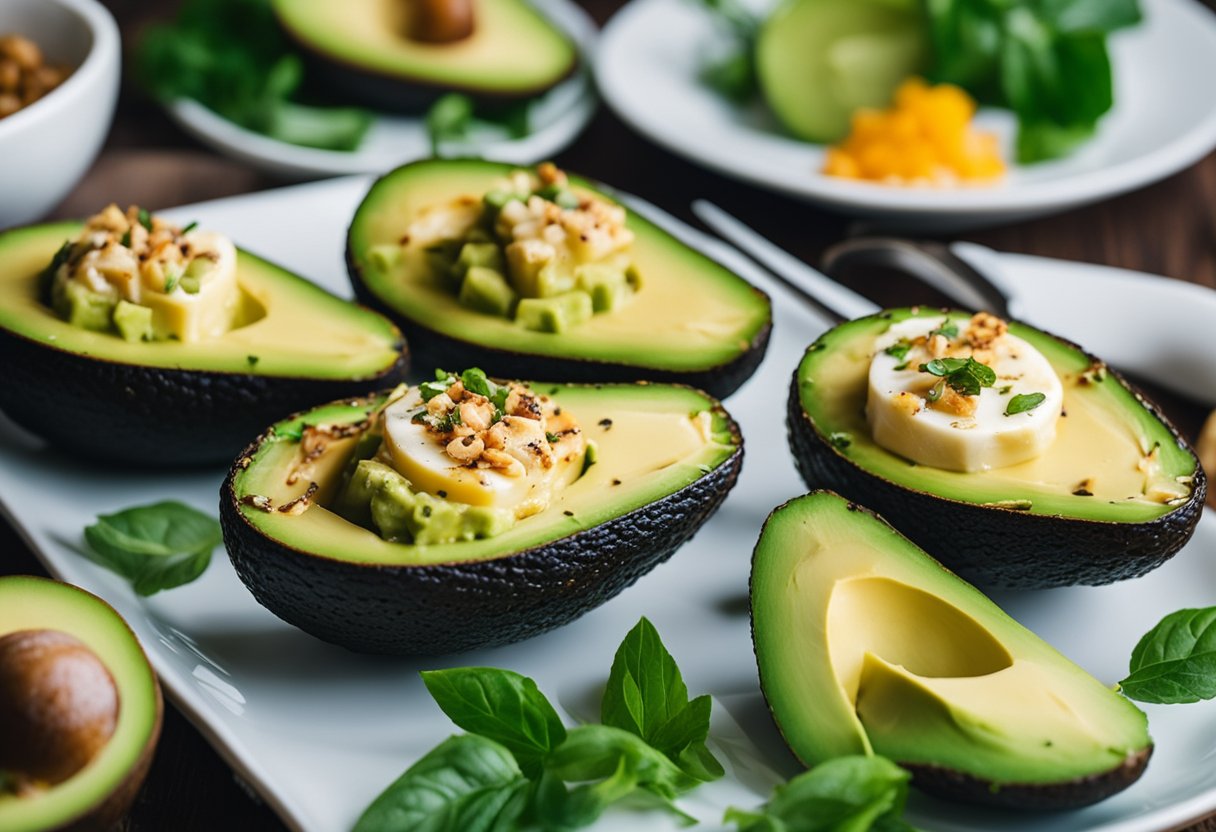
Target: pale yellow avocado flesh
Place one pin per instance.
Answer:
(286, 325)
(35, 604)
(653, 445)
(512, 47)
(866, 644)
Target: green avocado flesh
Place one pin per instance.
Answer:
(648, 446)
(866, 644)
(1100, 446)
(689, 313)
(289, 327)
(819, 60)
(28, 603)
(513, 49)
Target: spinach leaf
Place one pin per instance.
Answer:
(847, 794)
(646, 696)
(465, 784)
(502, 706)
(1175, 662)
(155, 547)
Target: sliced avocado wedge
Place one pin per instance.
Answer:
(866, 644)
(47, 630)
(98, 395)
(366, 49)
(666, 458)
(1117, 493)
(818, 61)
(691, 321)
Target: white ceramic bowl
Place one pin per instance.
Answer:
(46, 147)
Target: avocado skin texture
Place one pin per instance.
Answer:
(142, 416)
(1035, 797)
(106, 813)
(454, 607)
(434, 350)
(999, 547)
(948, 783)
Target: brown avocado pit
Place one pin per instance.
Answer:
(438, 21)
(58, 706)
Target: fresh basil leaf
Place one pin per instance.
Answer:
(1024, 402)
(847, 794)
(596, 752)
(646, 696)
(465, 784)
(156, 547)
(556, 808)
(501, 705)
(1175, 662)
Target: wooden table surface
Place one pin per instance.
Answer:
(1168, 228)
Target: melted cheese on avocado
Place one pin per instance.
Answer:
(960, 432)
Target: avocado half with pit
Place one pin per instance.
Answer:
(155, 403)
(371, 51)
(661, 471)
(80, 709)
(692, 321)
(866, 644)
(1117, 493)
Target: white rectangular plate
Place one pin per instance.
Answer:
(319, 731)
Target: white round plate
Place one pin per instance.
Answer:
(1163, 120)
(393, 140)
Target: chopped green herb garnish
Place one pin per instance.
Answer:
(253, 360)
(1004, 391)
(949, 331)
(1024, 402)
(145, 219)
(171, 281)
(840, 440)
(902, 366)
(475, 381)
(964, 375)
(552, 437)
(190, 227)
(126, 239)
(431, 389)
(899, 350)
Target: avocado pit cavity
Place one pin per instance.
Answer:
(439, 21)
(58, 707)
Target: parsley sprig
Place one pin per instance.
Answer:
(1024, 403)
(965, 376)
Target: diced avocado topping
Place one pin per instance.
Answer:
(556, 314)
(486, 290)
(378, 497)
(533, 238)
(82, 307)
(134, 322)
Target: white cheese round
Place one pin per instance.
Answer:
(903, 421)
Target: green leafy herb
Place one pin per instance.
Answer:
(964, 375)
(155, 547)
(840, 439)
(232, 57)
(552, 437)
(948, 330)
(899, 350)
(171, 278)
(1175, 662)
(733, 74)
(646, 696)
(519, 768)
(125, 240)
(145, 219)
(500, 705)
(1047, 62)
(190, 227)
(475, 381)
(431, 389)
(847, 794)
(1004, 391)
(465, 783)
(1024, 402)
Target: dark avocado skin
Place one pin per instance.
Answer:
(999, 547)
(435, 350)
(454, 607)
(142, 416)
(1037, 797)
(394, 94)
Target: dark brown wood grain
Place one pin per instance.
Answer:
(1168, 228)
